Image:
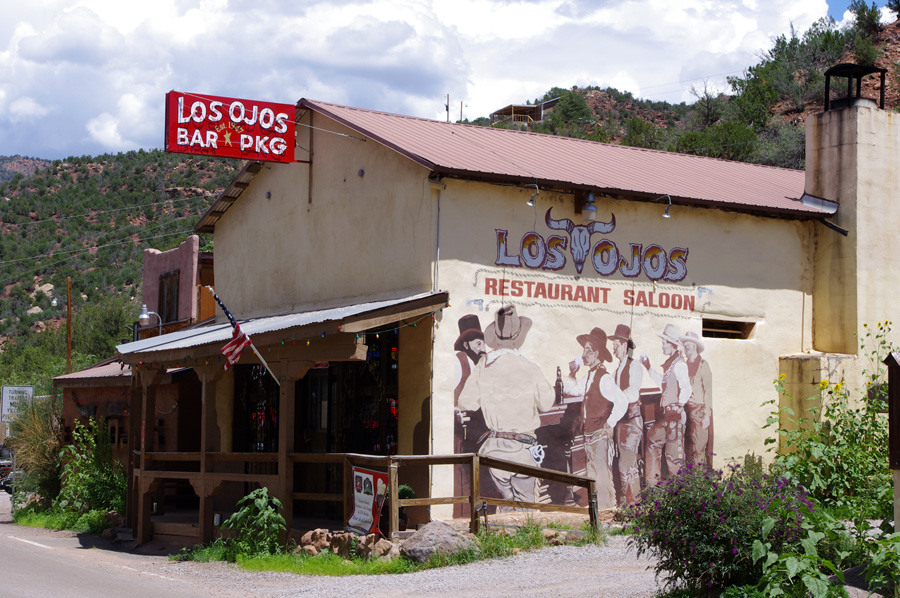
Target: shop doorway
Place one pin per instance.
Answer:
(345, 407)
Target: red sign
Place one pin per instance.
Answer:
(229, 128)
(369, 491)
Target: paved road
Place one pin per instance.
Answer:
(43, 563)
(38, 563)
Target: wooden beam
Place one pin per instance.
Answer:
(408, 310)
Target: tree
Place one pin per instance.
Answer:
(708, 108)
(894, 7)
(640, 133)
(867, 18)
(100, 326)
(729, 141)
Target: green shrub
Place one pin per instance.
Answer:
(256, 524)
(91, 478)
(883, 569)
(804, 570)
(699, 524)
(838, 452)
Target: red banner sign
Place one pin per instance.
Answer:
(229, 128)
(369, 491)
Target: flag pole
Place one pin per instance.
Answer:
(274, 377)
(252, 345)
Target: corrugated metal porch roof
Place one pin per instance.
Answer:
(220, 333)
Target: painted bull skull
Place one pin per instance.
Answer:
(580, 235)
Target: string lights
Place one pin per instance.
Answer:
(377, 333)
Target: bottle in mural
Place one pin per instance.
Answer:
(558, 387)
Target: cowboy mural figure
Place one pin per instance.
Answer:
(698, 443)
(511, 391)
(468, 425)
(603, 404)
(665, 438)
(470, 348)
(629, 432)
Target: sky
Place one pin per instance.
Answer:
(87, 77)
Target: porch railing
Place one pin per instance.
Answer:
(153, 460)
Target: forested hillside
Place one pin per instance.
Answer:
(90, 219)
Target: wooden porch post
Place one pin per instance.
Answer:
(135, 409)
(288, 372)
(286, 435)
(208, 375)
(148, 380)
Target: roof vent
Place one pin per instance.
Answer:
(853, 72)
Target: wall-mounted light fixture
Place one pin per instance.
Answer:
(589, 208)
(144, 318)
(666, 213)
(530, 202)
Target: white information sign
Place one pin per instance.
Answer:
(11, 397)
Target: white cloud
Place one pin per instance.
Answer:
(99, 69)
(105, 128)
(25, 109)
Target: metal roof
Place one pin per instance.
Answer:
(105, 373)
(221, 332)
(521, 157)
(529, 158)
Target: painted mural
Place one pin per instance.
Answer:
(611, 414)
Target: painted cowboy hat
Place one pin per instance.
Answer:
(623, 333)
(508, 330)
(671, 334)
(469, 330)
(597, 337)
(691, 337)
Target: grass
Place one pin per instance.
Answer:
(326, 564)
(492, 544)
(91, 522)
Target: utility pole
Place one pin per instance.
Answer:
(447, 107)
(68, 324)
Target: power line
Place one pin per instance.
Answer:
(95, 247)
(87, 249)
(100, 212)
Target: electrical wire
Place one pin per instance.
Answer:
(110, 211)
(85, 250)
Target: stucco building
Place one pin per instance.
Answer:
(420, 287)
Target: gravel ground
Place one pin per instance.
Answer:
(564, 571)
(560, 572)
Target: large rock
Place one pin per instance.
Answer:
(373, 546)
(344, 544)
(320, 539)
(436, 537)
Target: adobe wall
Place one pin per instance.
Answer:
(700, 264)
(182, 258)
(356, 224)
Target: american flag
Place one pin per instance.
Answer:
(239, 339)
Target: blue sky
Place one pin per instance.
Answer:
(85, 77)
(836, 8)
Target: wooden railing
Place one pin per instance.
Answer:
(392, 464)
